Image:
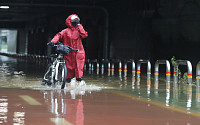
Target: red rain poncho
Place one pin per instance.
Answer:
(72, 36)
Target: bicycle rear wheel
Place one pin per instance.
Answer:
(62, 74)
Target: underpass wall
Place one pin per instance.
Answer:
(21, 44)
(12, 41)
(137, 29)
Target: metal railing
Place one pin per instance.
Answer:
(156, 72)
(132, 68)
(113, 65)
(92, 67)
(103, 62)
(198, 81)
(189, 71)
(139, 70)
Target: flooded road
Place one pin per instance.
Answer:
(103, 101)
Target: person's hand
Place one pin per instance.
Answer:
(51, 44)
(77, 22)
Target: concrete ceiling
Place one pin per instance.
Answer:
(21, 11)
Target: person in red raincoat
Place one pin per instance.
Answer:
(72, 36)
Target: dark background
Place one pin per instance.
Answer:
(133, 29)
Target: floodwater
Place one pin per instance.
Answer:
(104, 100)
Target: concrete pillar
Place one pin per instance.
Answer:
(21, 46)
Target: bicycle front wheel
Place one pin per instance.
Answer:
(62, 74)
(48, 75)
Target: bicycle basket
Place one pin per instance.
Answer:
(62, 49)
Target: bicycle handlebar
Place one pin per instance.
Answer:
(70, 48)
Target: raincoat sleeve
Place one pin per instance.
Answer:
(57, 37)
(82, 32)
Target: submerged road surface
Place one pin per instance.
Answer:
(103, 101)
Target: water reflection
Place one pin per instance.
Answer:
(133, 83)
(198, 92)
(182, 94)
(167, 94)
(3, 110)
(19, 118)
(148, 89)
(189, 96)
(66, 104)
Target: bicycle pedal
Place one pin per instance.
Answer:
(43, 82)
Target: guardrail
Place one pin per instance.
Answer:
(156, 72)
(111, 68)
(89, 65)
(198, 81)
(103, 62)
(139, 70)
(132, 68)
(189, 71)
(114, 63)
(123, 68)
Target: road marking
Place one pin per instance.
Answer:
(29, 100)
(178, 109)
(60, 121)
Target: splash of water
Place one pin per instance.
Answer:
(75, 88)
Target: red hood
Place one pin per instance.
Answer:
(68, 21)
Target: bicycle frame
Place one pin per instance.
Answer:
(59, 60)
(57, 72)
(54, 67)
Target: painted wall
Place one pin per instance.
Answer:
(12, 41)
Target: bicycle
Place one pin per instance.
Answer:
(57, 72)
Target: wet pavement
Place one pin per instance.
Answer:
(103, 101)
